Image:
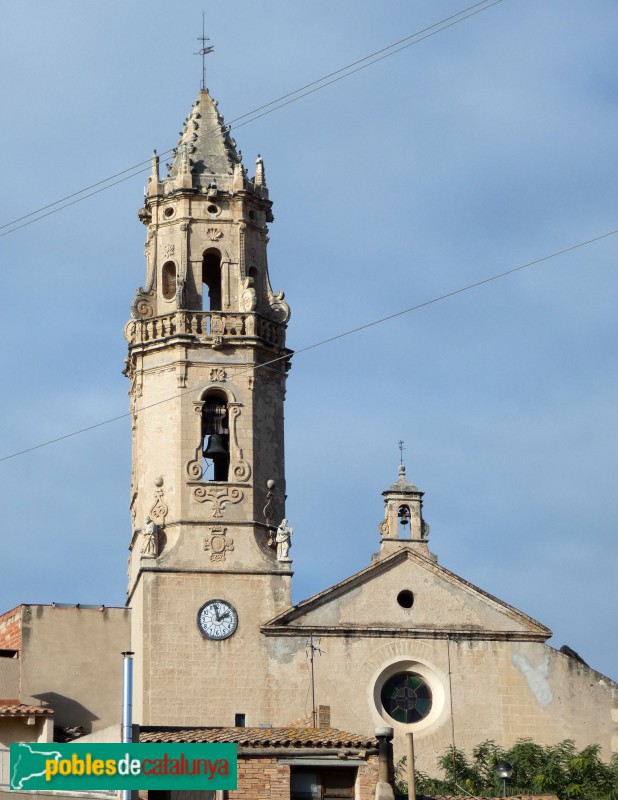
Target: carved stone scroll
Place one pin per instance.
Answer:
(194, 467)
(218, 543)
(159, 509)
(218, 497)
(241, 469)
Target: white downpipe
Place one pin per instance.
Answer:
(127, 706)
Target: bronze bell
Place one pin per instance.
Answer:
(215, 447)
(404, 515)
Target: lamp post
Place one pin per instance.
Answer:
(503, 770)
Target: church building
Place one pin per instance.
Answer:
(406, 642)
(217, 641)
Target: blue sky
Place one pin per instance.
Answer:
(484, 147)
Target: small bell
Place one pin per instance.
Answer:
(404, 515)
(215, 447)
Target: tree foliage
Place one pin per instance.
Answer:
(558, 769)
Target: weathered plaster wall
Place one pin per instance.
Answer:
(16, 729)
(71, 659)
(493, 695)
(9, 679)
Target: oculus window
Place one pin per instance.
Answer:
(406, 697)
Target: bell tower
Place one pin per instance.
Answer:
(207, 364)
(403, 524)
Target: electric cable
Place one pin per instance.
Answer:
(329, 340)
(273, 105)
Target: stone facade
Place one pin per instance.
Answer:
(207, 363)
(486, 663)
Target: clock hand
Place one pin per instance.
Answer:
(216, 607)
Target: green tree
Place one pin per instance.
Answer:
(552, 769)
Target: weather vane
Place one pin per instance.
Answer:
(204, 50)
(401, 449)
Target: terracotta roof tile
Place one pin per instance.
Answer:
(21, 710)
(260, 737)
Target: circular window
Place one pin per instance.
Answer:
(405, 598)
(406, 697)
(169, 212)
(212, 209)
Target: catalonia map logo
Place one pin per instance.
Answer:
(87, 767)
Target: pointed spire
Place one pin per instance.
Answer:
(205, 149)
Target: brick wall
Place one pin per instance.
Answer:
(260, 778)
(10, 630)
(367, 779)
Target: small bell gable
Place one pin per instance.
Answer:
(403, 524)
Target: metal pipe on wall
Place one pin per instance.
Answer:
(127, 706)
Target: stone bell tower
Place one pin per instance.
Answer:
(207, 364)
(403, 524)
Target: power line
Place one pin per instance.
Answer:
(329, 340)
(258, 113)
(375, 53)
(81, 191)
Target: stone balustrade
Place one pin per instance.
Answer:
(205, 326)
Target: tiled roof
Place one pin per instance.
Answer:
(260, 737)
(205, 140)
(21, 710)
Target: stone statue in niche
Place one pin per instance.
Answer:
(150, 546)
(283, 540)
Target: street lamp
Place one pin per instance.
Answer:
(503, 770)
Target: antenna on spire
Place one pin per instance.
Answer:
(204, 50)
(401, 449)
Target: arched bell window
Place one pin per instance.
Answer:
(211, 277)
(403, 522)
(216, 436)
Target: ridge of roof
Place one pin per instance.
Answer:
(259, 737)
(379, 566)
(22, 710)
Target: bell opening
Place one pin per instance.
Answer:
(215, 438)
(403, 518)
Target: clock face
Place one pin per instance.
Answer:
(217, 619)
